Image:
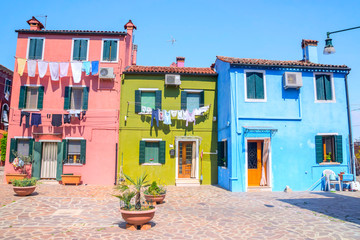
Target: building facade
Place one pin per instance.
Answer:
(75, 117)
(167, 145)
(6, 76)
(281, 123)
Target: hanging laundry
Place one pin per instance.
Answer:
(149, 110)
(204, 109)
(67, 118)
(86, 67)
(42, 66)
(83, 113)
(190, 117)
(56, 120)
(54, 71)
(35, 119)
(27, 118)
(161, 115)
(197, 112)
(21, 65)
(64, 69)
(167, 117)
(181, 115)
(143, 109)
(76, 71)
(94, 67)
(173, 113)
(155, 114)
(31, 64)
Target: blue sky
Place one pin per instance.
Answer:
(204, 29)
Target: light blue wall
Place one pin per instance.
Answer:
(295, 115)
(311, 53)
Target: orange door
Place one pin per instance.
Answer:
(185, 159)
(254, 155)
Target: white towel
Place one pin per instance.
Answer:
(173, 113)
(54, 71)
(42, 68)
(76, 71)
(181, 115)
(31, 64)
(64, 69)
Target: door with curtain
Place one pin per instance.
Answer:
(49, 160)
(254, 159)
(187, 159)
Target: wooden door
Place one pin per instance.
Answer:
(185, 159)
(254, 157)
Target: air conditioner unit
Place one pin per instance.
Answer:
(292, 80)
(171, 79)
(106, 73)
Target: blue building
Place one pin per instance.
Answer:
(281, 123)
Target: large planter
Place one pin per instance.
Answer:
(24, 191)
(15, 176)
(137, 217)
(71, 179)
(155, 198)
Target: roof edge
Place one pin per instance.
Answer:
(162, 73)
(289, 66)
(70, 32)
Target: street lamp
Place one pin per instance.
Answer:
(329, 48)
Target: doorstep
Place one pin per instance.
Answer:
(259, 189)
(187, 182)
(48, 181)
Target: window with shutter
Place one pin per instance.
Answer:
(110, 50)
(76, 99)
(192, 101)
(328, 149)
(32, 97)
(255, 85)
(152, 152)
(323, 84)
(35, 48)
(73, 151)
(80, 49)
(148, 99)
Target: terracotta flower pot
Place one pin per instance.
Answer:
(24, 191)
(137, 217)
(155, 198)
(16, 176)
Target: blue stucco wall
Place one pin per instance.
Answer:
(297, 118)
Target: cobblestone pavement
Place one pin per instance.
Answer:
(206, 212)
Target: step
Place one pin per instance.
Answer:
(187, 182)
(259, 189)
(46, 181)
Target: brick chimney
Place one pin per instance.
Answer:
(35, 24)
(309, 48)
(180, 61)
(134, 54)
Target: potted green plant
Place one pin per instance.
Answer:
(328, 157)
(20, 164)
(24, 187)
(155, 193)
(135, 214)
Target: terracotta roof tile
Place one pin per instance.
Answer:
(276, 63)
(80, 32)
(163, 70)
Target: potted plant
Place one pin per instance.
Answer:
(20, 164)
(155, 193)
(24, 187)
(328, 157)
(135, 214)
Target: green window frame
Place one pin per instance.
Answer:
(324, 88)
(186, 100)
(15, 147)
(36, 48)
(152, 152)
(109, 50)
(69, 98)
(74, 151)
(147, 101)
(80, 49)
(329, 149)
(255, 86)
(26, 101)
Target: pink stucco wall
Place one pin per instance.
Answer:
(99, 128)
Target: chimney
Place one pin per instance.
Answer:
(35, 25)
(180, 61)
(129, 27)
(134, 54)
(309, 48)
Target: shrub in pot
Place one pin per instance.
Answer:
(155, 193)
(24, 187)
(20, 164)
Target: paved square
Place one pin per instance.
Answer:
(206, 212)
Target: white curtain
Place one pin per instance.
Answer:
(193, 162)
(49, 160)
(265, 158)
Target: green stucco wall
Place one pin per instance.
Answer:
(137, 127)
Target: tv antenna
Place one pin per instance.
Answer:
(172, 40)
(43, 16)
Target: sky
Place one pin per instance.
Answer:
(204, 29)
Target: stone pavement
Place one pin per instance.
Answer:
(205, 212)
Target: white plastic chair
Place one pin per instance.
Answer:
(328, 182)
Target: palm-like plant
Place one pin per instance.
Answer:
(139, 183)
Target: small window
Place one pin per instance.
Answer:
(110, 50)
(74, 151)
(323, 87)
(35, 48)
(222, 154)
(32, 97)
(255, 88)
(148, 99)
(152, 152)
(7, 88)
(80, 49)
(23, 147)
(5, 114)
(76, 98)
(192, 101)
(329, 149)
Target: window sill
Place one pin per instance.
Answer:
(255, 100)
(329, 163)
(325, 101)
(30, 110)
(151, 164)
(102, 61)
(73, 164)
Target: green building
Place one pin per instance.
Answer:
(179, 153)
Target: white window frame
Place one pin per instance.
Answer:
(28, 48)
(152, 140)
(72, 49)
(102, 49)
(332, 88)
(245, 86)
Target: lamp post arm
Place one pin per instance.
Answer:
(343, 30)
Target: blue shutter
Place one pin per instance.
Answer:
(83, 151)
(85, 98)
(158, 99)
(259, 86)
(137, 101)
(320, 91)
(142, 152)
(162, 152)
(83, 49)
(76, 50)
(250, 85)
(338, 149)
(327, 87)
(201, 99)
(22, 97)
(319, 149)
(183, 100)
(67, 95)
(36, 165)
(113, 50)
(40, 97)
(65, 150)
(106, 50)
(59, 166)
(32, 46)
(39, 48)
(31, 146)
(13, 148)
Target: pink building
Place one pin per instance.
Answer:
(79, 127)
(6, 76)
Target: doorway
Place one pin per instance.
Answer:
(187, 159)
(49, 160)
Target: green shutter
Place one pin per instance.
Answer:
(40, 97)
(183, 100)
(76, 50)
(32, 46)
(39, 48)
(142, 152)
(106, 50)
(320, 91)
(85, 98)
(162, 152)
(65, 150)
(13, 147)
(201, 103)
(158, 99)
(36, 165)
(83, 151)
(338, 149)
(327, 87)
(67, 95)
(137, 101)
(220, 153)
(250, 85)
(22, 97)
(113, 50)
(31, 146)
(59, 165)
(83, 49)
(259, 86)
(319, 149)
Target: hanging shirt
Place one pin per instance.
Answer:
(31, 64)
(56, 120)
(167, 117)
(173, 113)
(94, 67)
(86, 67)
(76, 71)
(54, 71)
(190, 117)
(35, 119)
(21, 65)
(67, 118)
(161, 116)
(42, 68)
(181, 115)
(64, 69)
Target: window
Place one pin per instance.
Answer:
(148, 99)
(35, 49)
(7, 88)
(255, 86)
(75, 151)
(31, 97)
(76, 98)
(22, 147)
(323, 84)
(152, 152)
(329, 149)
(145, 98)
(222, 154)
(5, 113)
(109, 51)
(80, 49)
(191, 100)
